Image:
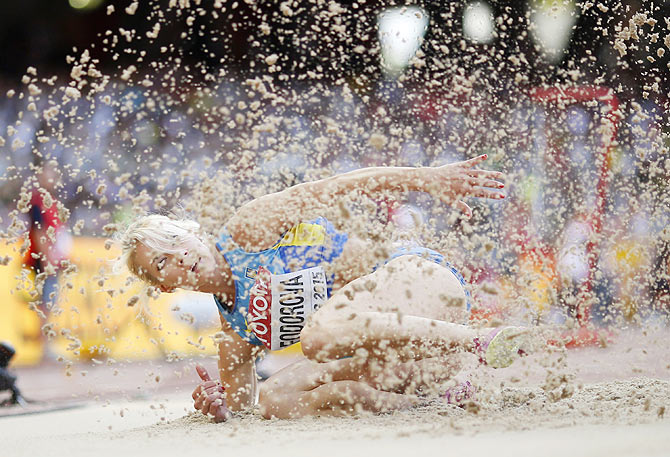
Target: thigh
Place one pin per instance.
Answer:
(412, 377)
(408, 285)
(305, 375)
(423, 376)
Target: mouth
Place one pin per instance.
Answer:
(194, 268)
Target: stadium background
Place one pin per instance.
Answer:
(43, 33)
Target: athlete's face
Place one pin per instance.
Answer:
(189, 268)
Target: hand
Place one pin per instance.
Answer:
(454, 181)
(209, 397)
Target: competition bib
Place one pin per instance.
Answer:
(280, 304)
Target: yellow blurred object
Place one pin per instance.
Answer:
(537, 278)
(630, 257)
(19, 325)
(92, 318)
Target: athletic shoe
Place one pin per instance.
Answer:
(502, 346)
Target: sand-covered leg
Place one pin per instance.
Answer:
(425, 377)
(307, 388)
(411, 305)
(411, 336)
(446, 377)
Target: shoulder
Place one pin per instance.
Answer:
(252, 237)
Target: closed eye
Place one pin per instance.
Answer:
(161, 263)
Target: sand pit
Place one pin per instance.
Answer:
(602, 419)
(618, 408)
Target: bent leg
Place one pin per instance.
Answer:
(336, 388)
(355, 385)
(411, 336)
(429, 376)
(410, 304)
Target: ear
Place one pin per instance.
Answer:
(166, 289)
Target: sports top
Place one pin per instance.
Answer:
(308, 244)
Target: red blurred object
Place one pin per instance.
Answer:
(586, 335)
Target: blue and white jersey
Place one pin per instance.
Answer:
(308, 244)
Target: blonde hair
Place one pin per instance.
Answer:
(155, 231)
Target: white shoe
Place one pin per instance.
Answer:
(501, 347)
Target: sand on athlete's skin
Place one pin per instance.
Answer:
(596, 401)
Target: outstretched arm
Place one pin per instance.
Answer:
(275, 213)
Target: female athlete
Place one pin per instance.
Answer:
(375, 338)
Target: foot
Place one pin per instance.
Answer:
(501, 347)
(459, 394)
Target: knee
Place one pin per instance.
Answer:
(277, 402)
(313, 340)
(324, 342)
(349, 397)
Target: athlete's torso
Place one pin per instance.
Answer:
(307, 245)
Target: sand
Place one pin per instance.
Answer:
(598, 401)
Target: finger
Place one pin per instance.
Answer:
(204, 397)
(214, 396)
(215, 407)
(486, 193)
(222, 414)
(206, 385)
(203, 386)
(202, 373)
(199, 401)
(484, 182)
(219, 410)
(203, 403)
(465, 209)
(485, 174)
(475, 161)
(214, 389)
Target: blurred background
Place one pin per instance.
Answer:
(118, 107)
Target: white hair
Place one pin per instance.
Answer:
(155, 231)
